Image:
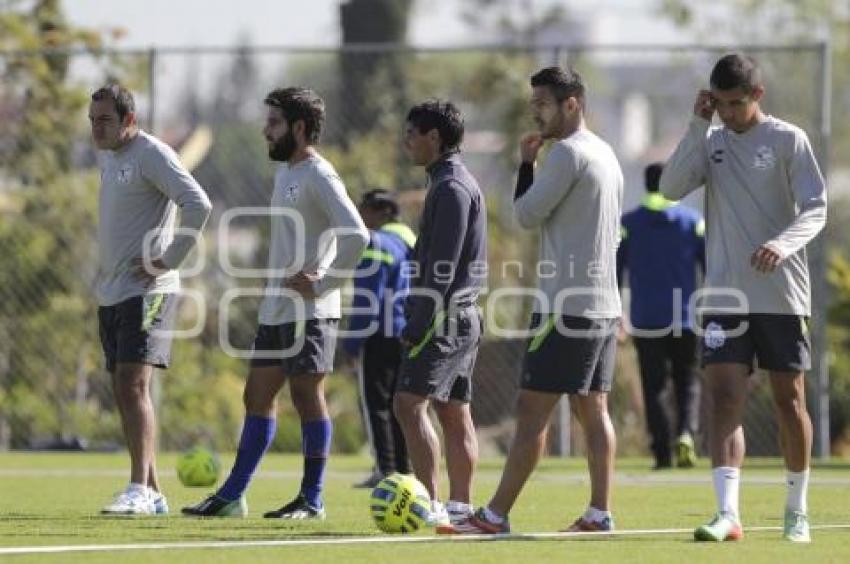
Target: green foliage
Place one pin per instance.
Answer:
(50, 369)
(838, 334)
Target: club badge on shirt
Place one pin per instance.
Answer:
(125, 174)
(765, 158)
(290, 193)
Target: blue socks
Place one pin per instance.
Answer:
(316, 444)
(257, 435)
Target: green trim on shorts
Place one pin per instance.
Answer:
(538, 339)
(152, 311)
(438, 320)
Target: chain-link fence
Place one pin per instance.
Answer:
(208, 104)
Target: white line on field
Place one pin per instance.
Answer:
(396, 539)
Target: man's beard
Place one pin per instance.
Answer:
(283, 149)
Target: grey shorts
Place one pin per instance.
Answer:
(441, 369)
(132, 330)
(779, 342)
(300, 347)
(576, 358)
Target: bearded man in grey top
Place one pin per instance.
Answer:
(575, 200)
(143, 184)
(765, 200)
(317, 237)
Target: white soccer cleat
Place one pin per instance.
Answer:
(438, 516)
(130, 502)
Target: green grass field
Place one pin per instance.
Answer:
(54, 499)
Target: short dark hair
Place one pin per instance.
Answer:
(562, 83)
(120, 96)
(736, 70)
(300, 104)
(380, 199)
(652, 176)
(442, 116)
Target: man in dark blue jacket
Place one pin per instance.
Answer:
(662, 245)
(381, 285)
(444, 323)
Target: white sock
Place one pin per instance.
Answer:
(798, 487)
(436, 506)
(727, 483)
(154, 494)
(458, 507)
(492, 516)
(595, 515)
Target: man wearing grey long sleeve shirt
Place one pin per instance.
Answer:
(575, 199)
(765, 200)
(142, 186)
(317, 237)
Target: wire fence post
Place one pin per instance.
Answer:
(819, 258)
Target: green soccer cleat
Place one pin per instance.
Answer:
(796, 527)
(723, 527)
(686, 453)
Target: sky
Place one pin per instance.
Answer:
(162, 23)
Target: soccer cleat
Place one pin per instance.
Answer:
(478, 524)
(130, 502)
(582, 525)
(297, 509)
(160, 504)
(370, 482)
(686, 453)
(456, 516)
(796, 527)
(215, 506)
(723, 527)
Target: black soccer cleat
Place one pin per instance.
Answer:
(215, 506)
(299, 509)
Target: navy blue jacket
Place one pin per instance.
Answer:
(382, 273)
(451, 251)
(661, 244)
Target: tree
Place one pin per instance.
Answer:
(43, 276)
(367, 77)
(753, 21)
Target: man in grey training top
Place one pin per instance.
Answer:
(142, 185)
(764, 201)
(316, 238)
(575, 199)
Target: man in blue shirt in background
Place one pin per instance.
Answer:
(662, 244)
(381, 285)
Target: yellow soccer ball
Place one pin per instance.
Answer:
(198, 467)
(399, 504)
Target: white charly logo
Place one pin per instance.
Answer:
(715, 336)
(125, 174)
(765, 158)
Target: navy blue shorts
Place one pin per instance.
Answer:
(441, 367)
(778, 342)
(575, 356)
(137, 330)
(300, 347)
